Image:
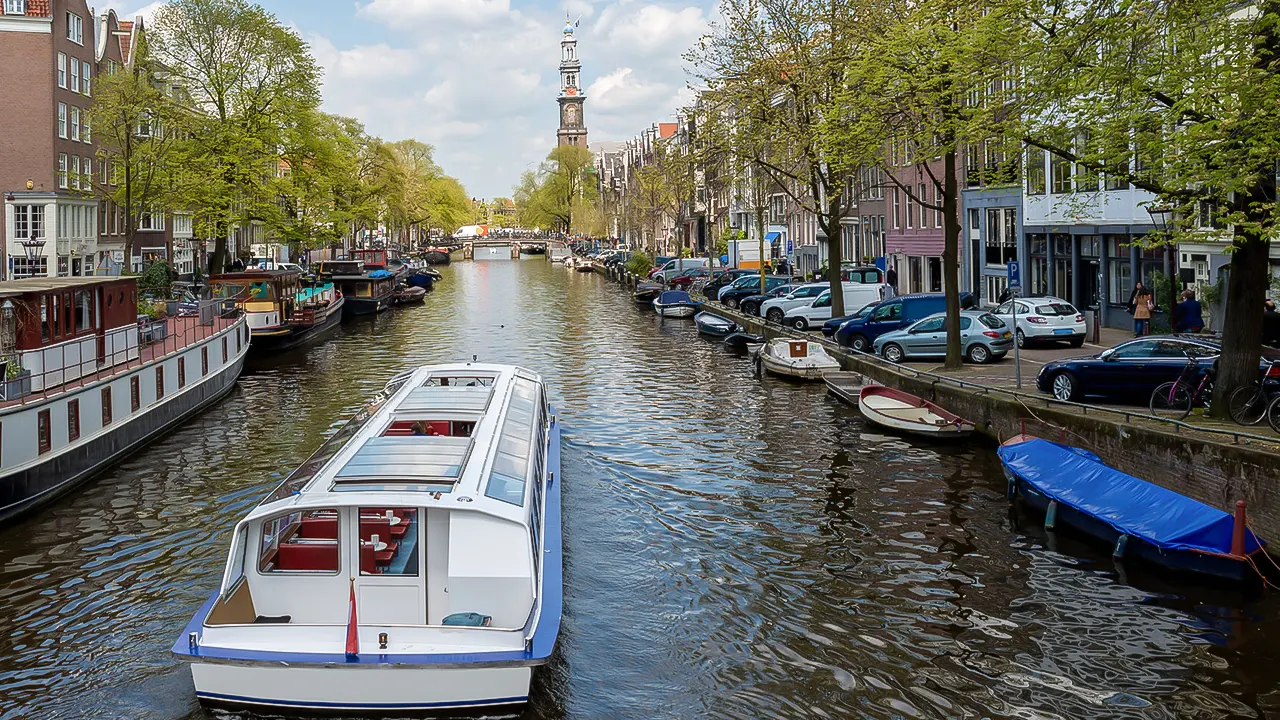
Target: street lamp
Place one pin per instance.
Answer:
(1162, 219)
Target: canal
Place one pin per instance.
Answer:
(734, 548)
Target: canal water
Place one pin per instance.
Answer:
(734, 548)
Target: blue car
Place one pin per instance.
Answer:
(830, 327)
(897, 313)
(1131, 370)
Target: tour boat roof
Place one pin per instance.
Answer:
(488, 414)
(14, 288)
(255, 274)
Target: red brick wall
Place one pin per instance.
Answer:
(26, 84)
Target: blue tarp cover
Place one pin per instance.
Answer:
(671, 297)
(1134, 507)
(378, 274)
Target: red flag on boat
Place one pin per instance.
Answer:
(353, 635)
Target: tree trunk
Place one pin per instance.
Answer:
(1242, 324)
(835, 253)
(760, 240)
(951, 256)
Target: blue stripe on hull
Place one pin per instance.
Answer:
(241, 700)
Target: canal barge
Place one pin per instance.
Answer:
(90, 380)
(365, 292)
(413, 563)
(283, 311)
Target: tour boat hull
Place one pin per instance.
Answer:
(355, 689)
(904, 412)
(30, 486)
(271, 340)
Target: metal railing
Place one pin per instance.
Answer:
(156, 340)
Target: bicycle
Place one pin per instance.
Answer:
(1273, 413)
(1249, 405)
(1174, 400)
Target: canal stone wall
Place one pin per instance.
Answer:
(1217, 472)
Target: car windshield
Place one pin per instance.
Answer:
(866, 309)
(1055, 308)
(746, 280)
(991, 321)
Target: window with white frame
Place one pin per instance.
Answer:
(102, 172)
(75, 28)
(776, 214)
(62, 70)
(144, 125)
(75, 123)
(149, 220)
(24, 268)
(62, 170)
(86, 181)
(28, 222)
(74, 170)
(75, 76)
(897, 210)
(62, 120)
(15, 7)
(85, 75)
(86, 134)
(937, 210)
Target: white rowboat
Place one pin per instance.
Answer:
(800, 359)
(905, 412)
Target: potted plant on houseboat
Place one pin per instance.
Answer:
(17, 379)
(153, 322)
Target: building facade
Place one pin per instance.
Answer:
(914, 239)
(573, 125)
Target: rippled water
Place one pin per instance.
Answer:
(735, 548)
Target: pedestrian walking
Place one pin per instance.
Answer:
(891, 277)
(1141, 307)
(1188, 315)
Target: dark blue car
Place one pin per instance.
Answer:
(830, 327)
(1129, 371)
(860, 333)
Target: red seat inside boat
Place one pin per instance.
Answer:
(370, 525)
(446, 428)
(317, 556)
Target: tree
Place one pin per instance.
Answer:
(318, 163)
(559, 191)
(1182, 100)
(249, 78)
(133, 121)
(779, 65)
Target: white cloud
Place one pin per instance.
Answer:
(129, 11)
(467, 12)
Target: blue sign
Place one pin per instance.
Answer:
(1015, 278)
(790, 248)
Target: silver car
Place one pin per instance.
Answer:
(983, 338)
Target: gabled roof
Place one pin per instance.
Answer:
(126, 39)
(666, 130)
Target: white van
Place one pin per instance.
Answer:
(817, 312)
(674, 268)
(776, 309)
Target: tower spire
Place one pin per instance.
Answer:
(573, 129)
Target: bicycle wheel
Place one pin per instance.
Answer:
(1171, 400)
(1248, 405)
(1273, 413)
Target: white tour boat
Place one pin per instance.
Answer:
(413, 563)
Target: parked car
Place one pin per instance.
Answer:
(751, 303)
(861, 273)
(732, 296)
(750, 280)
(830, 327)
(723, 278)
(775, 310)
(819, 311)
(893, 314)
(1131, 370)
(618, 258)
(983, 338)
(679, 266)
(1043, 319)
(686, 279)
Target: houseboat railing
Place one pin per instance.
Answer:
(156, 339)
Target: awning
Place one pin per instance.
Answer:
(770, 237)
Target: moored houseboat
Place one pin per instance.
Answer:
(413, 563)
(97, 381)
(364, 292)
(282, 309)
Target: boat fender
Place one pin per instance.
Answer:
(1051, 515)
(1122, 542)
(1012, 492)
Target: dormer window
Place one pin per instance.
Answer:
(15, 7)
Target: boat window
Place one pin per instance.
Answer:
(459, 381)
(389, 541)
(510, 469)
(300, 542)
(235, 569)
(84, 311)
(228, 291)
(261, 291)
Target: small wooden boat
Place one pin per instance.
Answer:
(743, 340)
(674, 303)
(846, 386)
(800, 359)
(1138, 519)
(902, 411)
(408, 295)
(584, 266)
(438, 256)
(645, 292)
(709, 324)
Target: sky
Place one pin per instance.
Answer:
(478, 78)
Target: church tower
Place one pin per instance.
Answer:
(573, 127)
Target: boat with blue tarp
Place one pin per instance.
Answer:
(412, 564)
(1139, 519)
(366, 292)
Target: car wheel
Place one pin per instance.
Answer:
(892, 352)
(978, 353)
(1064, 386)
(1022, 340)
(731, 302)
(1077, 342)
(750, 309)
(859, 343)
(775, 315)
(800, 323)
